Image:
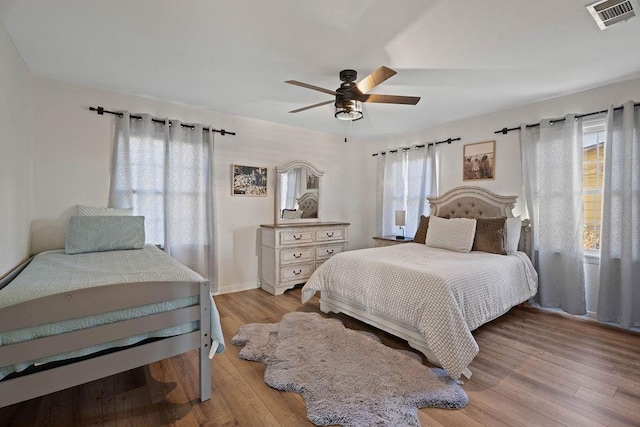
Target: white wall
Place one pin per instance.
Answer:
(15, 158)
(508, 170)
(72, 165)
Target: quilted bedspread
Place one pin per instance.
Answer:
(443, 294)
(54, 272)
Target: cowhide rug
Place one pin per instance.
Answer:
(345, 376)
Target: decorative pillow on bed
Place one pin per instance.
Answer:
(91, 211)
(291, 214)
(455, 234)
(513, 229)
(421, 233)
(490, 235)
(104, 233)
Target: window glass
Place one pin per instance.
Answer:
(592, 176)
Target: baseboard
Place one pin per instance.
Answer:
(235, 288)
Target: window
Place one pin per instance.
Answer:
(592, 175)
(147, 184)
(408, 177)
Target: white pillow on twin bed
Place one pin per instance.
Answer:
(455, 234)
(513, 228)
(91, 211)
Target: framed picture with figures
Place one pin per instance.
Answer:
(248, 181)
(479, 161)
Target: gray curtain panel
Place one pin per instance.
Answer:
(165, 172)
(405, 179)
(552, 176)
(619, 295)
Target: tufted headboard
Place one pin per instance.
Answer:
(308, 204)
(478, 202)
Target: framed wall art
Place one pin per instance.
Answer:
(479, 161)
(249, 181)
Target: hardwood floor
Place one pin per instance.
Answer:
(534, 368)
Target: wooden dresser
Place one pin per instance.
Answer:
(291, 252)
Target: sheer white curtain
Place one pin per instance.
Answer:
(165, 172)
(552, 176)
(290, 192)
(619, 294)
(405, 179)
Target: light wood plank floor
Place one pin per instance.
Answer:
(534, 368)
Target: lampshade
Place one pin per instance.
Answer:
(401, 218)
(348, 109)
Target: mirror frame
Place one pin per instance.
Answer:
(280, 170)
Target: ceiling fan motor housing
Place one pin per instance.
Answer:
(348, 75)
(348, 90)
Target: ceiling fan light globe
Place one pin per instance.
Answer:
(349, 110)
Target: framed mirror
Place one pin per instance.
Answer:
(298, 193)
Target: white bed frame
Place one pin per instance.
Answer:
(468, 202)
(95, 300)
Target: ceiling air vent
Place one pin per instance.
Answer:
(609, 12)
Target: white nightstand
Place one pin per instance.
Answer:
(389, 241)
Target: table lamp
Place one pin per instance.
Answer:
(401, 217)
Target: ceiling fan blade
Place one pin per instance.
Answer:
(391, 99)
(375, 78)
(312, 106)
(308, 86)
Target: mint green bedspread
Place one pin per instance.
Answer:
(54, 272)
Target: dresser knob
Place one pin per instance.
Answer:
(297, 255)
(297, 237)
(329, 251)
(297, 272)
(330, 234)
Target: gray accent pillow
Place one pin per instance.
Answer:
(104, 233)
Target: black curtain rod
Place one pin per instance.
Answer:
(504, 131)
(101, 111)
(447, 141)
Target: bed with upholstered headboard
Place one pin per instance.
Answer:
(308, 204)
(471, 267)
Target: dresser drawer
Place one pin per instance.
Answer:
(296, 272)
(289, 256)
(295, 237)
(325, 252)
(328, 235)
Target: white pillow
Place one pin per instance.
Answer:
(513, 228)
(91, 211)
(291, 214)
(455, 234)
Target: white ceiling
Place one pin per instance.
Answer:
(463, 57)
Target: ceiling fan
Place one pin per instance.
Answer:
(350, 95)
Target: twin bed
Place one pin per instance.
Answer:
(69, 319)
(432, 297)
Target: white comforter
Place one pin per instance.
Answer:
(443, 294)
